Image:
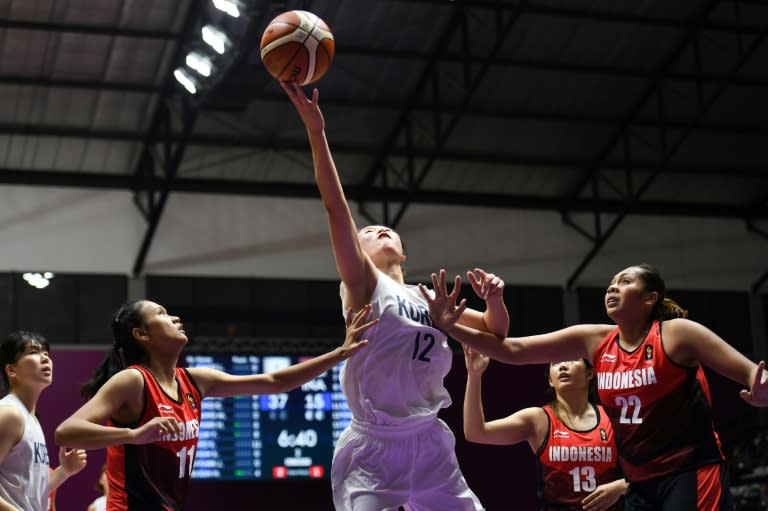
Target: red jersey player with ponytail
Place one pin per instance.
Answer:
(151, 407)
(571, 437)
(650, 380)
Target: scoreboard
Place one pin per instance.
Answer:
(274, 436)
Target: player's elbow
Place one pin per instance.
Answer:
(510, 351)
(474, 436)
(61, 436)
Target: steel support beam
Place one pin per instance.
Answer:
(157, 150)
(401, 124)
(429, 82)
(90, 29)
(444, 128)
(667, 148)
(70, 83)
(125, 182)
(542, 10)
(621, 136)
(622, 71)
(588, 14)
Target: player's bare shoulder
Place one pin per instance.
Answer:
(591, 334)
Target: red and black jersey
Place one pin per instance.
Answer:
(572, 464)
(154, 477)
(661, 411)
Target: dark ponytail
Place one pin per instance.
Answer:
(125, 350)
(665, 308)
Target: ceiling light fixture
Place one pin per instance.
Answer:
(230, 7)
(38, 280)
(216, 39)
(183, 77)
(200, 63)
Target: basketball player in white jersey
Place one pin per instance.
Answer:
(24, 479)
(396, 451)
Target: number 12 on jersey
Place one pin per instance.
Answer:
(421, 346)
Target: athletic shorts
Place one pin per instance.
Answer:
(380, 468)
(702, 489)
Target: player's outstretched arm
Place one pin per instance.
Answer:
(356, 269)
(579, 341)
(220, 384)
(691, 343)
(518, 427)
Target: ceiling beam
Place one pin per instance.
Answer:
(157, 152)
(74, 83)
(668, 145)
(619, 70)
(758, 128)
(612, 16)
(574, 13)
(89, 29)
(481, 157)
(125, 182)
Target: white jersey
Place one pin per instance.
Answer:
(100, 504)
(398, 377)
(24, 471)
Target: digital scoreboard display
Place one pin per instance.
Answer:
(273, 436)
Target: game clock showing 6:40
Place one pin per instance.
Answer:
(274, 436)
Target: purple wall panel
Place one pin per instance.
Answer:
(499, 475)
(59, 401)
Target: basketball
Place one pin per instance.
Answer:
(297, 46)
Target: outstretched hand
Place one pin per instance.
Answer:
(309, 109)
(758, 394)
(72, 461)
(486, 285)
(442, 305)
(356, 326)
(476, 362)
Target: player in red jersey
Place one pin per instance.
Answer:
(652, 384)
(151, 407)
(571, 436)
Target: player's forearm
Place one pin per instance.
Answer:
(474, 417)
(83, 434)
(483, 342)
(496, 317)
(296, 375)
(56, 478)
(326, 175)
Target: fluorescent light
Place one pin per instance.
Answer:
(38, 280)
(217, 39)
(229, 6)
(199, 63)
(185, 80)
